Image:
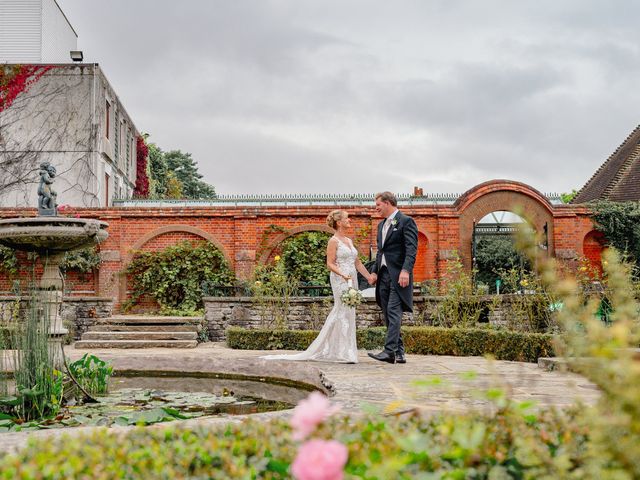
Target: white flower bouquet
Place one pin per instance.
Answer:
(351, 297)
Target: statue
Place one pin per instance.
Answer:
(46, 195)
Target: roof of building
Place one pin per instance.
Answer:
(618, 178)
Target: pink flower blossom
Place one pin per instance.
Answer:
(310, 413)
(320, 460)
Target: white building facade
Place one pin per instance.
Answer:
(72, 118)
(35, 31)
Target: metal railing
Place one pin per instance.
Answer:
(299, 199)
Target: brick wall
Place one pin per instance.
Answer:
(249, 235)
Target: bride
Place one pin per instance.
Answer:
(336, 342)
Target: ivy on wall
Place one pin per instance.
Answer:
(174, 276)
(305, 258)
(620, 224)
(15, 79)
(142, 180)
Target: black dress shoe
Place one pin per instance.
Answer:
(383, 357)
(400, 358)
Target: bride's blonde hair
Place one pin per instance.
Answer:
(334, 217)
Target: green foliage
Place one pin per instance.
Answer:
(175, 174)
(186, 171)
(92, 373)
(567, 197)
(493, 254)
(304, 257)
(620, 224)
(512, 443)
(8, 260)
(38, 385)
(606, 354)
(461, 306)
(272, 291)
(157, 172)
(174, 276)
(85, 260)
(530, 303)
(502, 344)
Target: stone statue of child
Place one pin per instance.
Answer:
(46, 194)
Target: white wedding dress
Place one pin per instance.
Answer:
(336, 342)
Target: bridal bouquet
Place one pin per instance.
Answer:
(351, 297)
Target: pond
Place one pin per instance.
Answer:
(145, 400)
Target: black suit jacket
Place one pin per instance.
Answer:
(400, 249)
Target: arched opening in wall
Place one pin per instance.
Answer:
(592, 247)
(171, 271)
(302, 258)
(497, 265)
(420, 269)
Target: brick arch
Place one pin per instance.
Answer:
(148, 237)
(313, 227)
(593, 245)
(496, 195)
(177, 228)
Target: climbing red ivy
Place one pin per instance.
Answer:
(142, 180)
(15, 79)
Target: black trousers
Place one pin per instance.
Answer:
(391, 305)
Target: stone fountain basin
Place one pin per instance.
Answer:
(51, 234)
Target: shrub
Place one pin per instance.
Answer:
(174, 276)
(502, 344)
(514, 443)
(305, 259)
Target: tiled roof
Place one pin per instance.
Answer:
(617, 179)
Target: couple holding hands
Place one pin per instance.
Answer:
(397, 242)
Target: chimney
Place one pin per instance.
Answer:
(417, 192)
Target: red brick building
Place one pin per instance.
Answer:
(248, 230)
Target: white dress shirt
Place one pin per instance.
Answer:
(385, 229)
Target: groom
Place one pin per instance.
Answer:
(393, 272)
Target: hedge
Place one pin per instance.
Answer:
(464, 342)
(515, 443)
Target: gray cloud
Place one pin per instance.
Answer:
(329, 96)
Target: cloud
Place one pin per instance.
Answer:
(333, 96)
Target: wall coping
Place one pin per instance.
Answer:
(64, 299)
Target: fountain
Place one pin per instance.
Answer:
(51, 237)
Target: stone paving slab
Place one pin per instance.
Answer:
(369, 382)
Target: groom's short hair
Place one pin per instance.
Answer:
(387, 197)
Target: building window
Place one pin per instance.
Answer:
(116, 134)
(107, 118)
(128, 159)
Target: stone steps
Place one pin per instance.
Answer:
(140, 335)
(142, 331)
(91, 344)
(142, 328)
(149, 320)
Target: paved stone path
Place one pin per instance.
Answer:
(381, 385)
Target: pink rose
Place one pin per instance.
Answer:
(320, 460)
(310, 413)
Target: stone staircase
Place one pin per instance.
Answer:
(142, 331)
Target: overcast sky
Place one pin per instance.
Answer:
(337, 96)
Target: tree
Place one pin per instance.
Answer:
(567, 197)
(157, 172)
(175, 174)
(186, 171)
(494, 253)
(175, 189)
